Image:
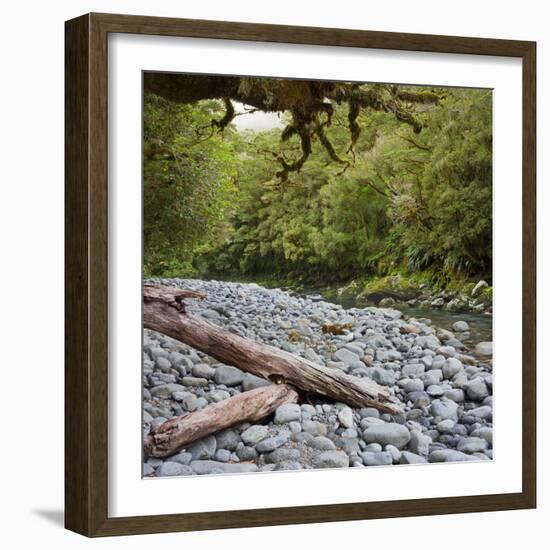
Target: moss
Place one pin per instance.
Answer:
(485, 297)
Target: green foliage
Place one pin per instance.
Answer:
(399, 202)
(188, 183)
(442, 209)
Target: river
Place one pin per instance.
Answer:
(481, 325)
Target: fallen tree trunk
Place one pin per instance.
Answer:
(250, 406)
(164, 311)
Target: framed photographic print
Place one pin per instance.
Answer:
(300, 275)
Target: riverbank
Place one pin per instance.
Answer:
(443, 387)
(419, 291)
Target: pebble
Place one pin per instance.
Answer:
(484, 349)
(472, 445)
(451, 367)
(444, 388)
(202, 370)
(476, 389)
(388, 434)
(331, 459)
(272, 443)
(282, 455)
(444, 409)
(173, 469)
(228, 376)
(323, 443)
(287, 413)
(202, 467)
(182, 458)
(448, 455)
(345, 416)
(254, 434)
(377, 459)
(204, 448)
(461, 326)
(410, 458)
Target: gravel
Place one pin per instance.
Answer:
(443, 389)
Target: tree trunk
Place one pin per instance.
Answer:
(164, 311)
(251, 406)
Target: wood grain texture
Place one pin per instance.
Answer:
(164, 311)
(77, 383)
(86, 367)
(250, 406)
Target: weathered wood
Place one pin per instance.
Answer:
(164, 311)
(250, 406)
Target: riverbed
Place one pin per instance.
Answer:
(481, 324)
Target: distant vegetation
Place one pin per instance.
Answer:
(396, 200)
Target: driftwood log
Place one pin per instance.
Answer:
(251, 406)
(164, 311)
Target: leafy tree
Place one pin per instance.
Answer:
(354, 190)
(188, 180)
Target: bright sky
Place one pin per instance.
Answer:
(256, 121)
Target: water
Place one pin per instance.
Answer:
(481, 325)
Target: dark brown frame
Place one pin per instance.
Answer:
(86, 274)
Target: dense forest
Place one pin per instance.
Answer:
(402, 195)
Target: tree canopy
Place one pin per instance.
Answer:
(310, 103)
(362, 179)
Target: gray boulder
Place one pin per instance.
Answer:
(388, 434)
(444, 409)
(287, 413)
(228, 376)
(331, 459)
(254, 434)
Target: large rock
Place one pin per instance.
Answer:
(388, 434)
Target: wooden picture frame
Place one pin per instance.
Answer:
(86, 420)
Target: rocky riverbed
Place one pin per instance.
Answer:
(443, 388)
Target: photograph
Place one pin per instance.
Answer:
(317, 274)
